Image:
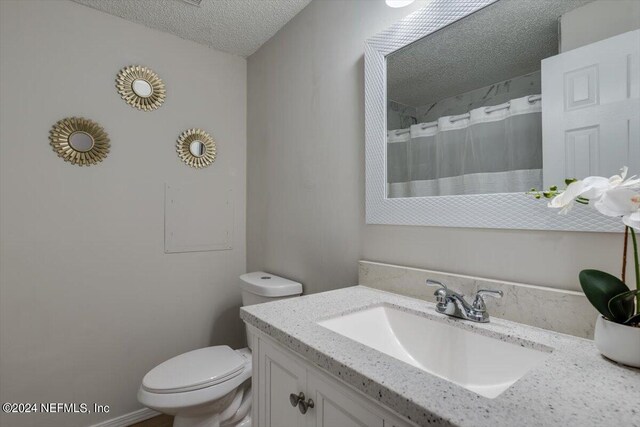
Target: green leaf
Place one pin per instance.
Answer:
(633, 319)
(619, 305)
(600, 288)
(570, 181)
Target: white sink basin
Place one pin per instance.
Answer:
(484, 365)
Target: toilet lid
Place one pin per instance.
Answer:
(194, 370)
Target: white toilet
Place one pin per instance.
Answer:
(211, 387)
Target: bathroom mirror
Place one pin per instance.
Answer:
(196, 148)
(79, 141)
(141, 87)
(470, 104)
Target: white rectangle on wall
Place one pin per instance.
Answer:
(198, 217)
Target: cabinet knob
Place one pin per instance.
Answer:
(303, 406)
(299, 401)
(295, 399)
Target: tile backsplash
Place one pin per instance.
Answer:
(557, 310)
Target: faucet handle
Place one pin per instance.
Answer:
(440, 294)
(478, 302)
(436, 283)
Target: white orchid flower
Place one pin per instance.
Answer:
(591, 188)
(596, 189)
(618, 201)
(596, 186)
(619, 180)
(566, 199)
(632, 220)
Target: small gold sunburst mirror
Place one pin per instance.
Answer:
(79, 141)
(141, 87)
(196, 148)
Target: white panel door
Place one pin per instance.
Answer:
(335, 408)
(279, 376)
(591, 110)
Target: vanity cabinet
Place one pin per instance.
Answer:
(282, 378)
(279, 375)
(335, 407)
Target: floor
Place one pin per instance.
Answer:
(159, 421)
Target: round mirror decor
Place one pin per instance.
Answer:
(196, 148)
(79, 141)
(141, 87)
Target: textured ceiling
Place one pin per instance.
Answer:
(506, 39)
(235, 26)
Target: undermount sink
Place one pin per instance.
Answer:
(484, 365)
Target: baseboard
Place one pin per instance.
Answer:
(127, 419)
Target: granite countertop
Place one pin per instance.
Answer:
(574, 386)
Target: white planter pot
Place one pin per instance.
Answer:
(617, 342)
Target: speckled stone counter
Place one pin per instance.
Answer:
(575, 386)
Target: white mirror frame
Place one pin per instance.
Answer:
(502, 210)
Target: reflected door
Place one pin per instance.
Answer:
(591, 110)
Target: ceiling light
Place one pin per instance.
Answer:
(193, 2)
(398, 3)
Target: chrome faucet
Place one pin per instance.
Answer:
(453, 304)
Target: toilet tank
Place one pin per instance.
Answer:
(259, 287)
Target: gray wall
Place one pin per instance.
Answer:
(597, 21)
(88, 300)
(306, 172)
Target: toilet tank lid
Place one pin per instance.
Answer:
(269, 285)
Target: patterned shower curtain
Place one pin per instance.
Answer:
(495, 149)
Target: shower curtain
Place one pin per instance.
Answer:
(495, 149)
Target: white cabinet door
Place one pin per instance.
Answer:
(337, 407)
(279, 373)
(279, 376)
(591, 110)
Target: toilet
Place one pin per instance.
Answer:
(211, 387)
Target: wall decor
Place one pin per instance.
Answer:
(79, 141)
(196, 148)
(141, 87)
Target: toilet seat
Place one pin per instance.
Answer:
(195, 370)
(172, 402)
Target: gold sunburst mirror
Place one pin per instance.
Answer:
(196, 148)
(141, 87)
(79, 141)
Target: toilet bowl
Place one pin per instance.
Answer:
(211, 387)
(204, 388)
